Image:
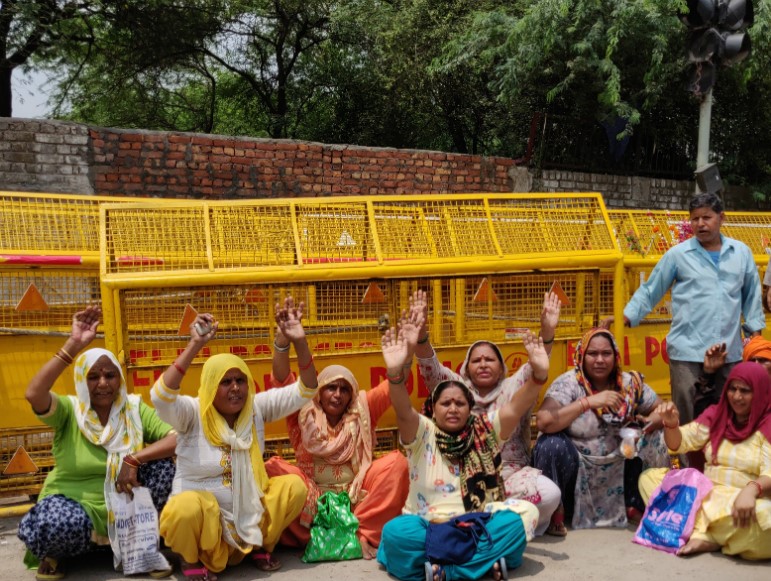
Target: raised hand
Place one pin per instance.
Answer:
(536, 353)
(419, 307)
(396, 351)
(203, 322)
(714, 357)
(289, 320)
(550, 315)
(84, 324)
(668, 413)
(410, 325)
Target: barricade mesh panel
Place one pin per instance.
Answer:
(61, 293)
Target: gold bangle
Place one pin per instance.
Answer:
(62, 359)
(67, 353)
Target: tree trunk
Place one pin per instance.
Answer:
(6, 96)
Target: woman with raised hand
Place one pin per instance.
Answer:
(581, 418)
(455, 462)
(734, 434)
(105, 441)
(223, 505)
(484, 372)
(333, 437)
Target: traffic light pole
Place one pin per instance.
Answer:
(705, 120)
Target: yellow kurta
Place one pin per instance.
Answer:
(736, 465)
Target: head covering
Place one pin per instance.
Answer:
(250, 479)
(475, 447)
(350, 440)
(492, 395)
(757, 347)
(719, 418)
(632, 392)
(120, 436)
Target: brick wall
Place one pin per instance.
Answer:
(150, 163)
(61, 157)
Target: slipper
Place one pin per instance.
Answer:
(265, 561)
(428, 568)
(55, 573)
(556, 526)
(200, 571)
(504, 569)
(162, 573)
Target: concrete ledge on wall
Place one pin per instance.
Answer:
(44, 156)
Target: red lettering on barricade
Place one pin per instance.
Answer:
(652, 349)
(239, 350)
(626, 351)
(571, 351)
(136, 354)
(156, 354)
(664, 354)
(139, 381)
(262, 349)
(156, 374)
(376, 376)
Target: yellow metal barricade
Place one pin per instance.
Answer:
(485, 261)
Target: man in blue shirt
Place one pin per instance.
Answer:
(714, 282)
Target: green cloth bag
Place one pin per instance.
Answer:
(333, 532)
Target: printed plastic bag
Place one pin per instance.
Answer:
(333, 533)
(668, 520)
(136, 526)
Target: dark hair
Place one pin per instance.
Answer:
(442, 385)
(492, 346)
(711, 201)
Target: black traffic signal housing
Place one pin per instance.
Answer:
(717, 37)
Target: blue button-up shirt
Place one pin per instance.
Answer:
(708, 300)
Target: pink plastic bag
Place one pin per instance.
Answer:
(668, 520)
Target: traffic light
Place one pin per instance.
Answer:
(701, 13)
(717, 37)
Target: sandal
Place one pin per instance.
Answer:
(265, 561)
(503, 570)
(556, 526)
(201, 571)
(53, 567)
(433, 574)
(162, 573)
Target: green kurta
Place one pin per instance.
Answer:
(81, 466)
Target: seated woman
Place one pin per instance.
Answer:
(223, 504)
(485, 374)
(455, 462)
(333, 437)
(580, 420)
(734, 434)
(99, 439)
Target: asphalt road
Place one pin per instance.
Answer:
(583, 555)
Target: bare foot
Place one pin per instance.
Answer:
(202, 573)
(497, 575)
(367, 551)
(695, 546)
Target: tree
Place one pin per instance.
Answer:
(32, 28)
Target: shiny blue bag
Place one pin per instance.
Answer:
(455, 542)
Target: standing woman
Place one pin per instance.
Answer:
(99, 448)
(333, 437)
(484, 372)
(455, 460)
(735, 435)
(580, 419)
(223, 504)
